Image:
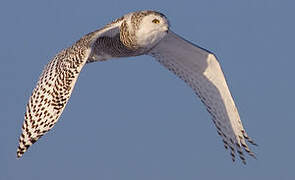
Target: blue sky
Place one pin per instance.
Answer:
(130, 118)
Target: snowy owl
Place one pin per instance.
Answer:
(134, 34)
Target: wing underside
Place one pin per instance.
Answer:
(201, 71)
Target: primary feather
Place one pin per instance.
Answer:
(138, 33)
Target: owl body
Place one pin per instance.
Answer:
(135, 34)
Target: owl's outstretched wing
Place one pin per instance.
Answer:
(201, 71)
(55, 86)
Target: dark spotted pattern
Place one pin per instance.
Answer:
(52, 93)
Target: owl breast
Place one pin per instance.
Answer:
(111, 47)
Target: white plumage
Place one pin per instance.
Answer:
(142, 32)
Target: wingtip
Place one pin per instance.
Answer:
(255, 144)
(19, 154)
(253, 155)
(22, 148)
(250, 140)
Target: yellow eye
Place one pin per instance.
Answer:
(156, 21)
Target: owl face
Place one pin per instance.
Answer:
(151, 29)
